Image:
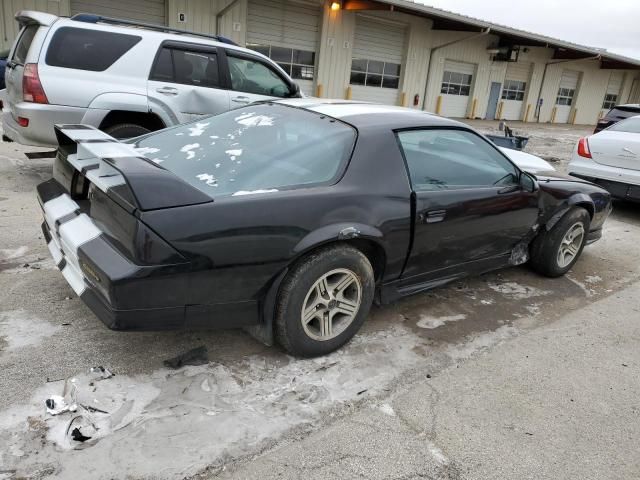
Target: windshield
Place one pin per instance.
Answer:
(631, 125)
(255, 149)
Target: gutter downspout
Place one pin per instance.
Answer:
(544, 74)
(221, 13)
(484, 32)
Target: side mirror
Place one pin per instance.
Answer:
(528, 182)
(294, 91)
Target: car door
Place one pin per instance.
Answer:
(253, 79)
(186, 82)
(469, 205)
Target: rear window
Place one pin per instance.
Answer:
(622, 112)
(84, 49)
(631, 125)
(260, 148)
(24, 43)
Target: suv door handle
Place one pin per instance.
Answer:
(167, 90)
(241, 99)
(432, 216)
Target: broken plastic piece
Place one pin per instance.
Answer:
(196, 356)
(77, 435)
(103, 372)
(57, 405)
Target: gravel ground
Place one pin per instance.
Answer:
(492, 344)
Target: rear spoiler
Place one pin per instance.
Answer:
(31, 17)
(121, 172)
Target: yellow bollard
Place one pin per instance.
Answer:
(349, 94)
(438, 104)
(526, 114)
(499, 115)
(473, 108)
(553, 115)
(319, 90)
(573, 116)
(403, 99)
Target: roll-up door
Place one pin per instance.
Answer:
(286, 32)
(148, 11)
(514, 88)
(457, 80)
(566, 95)
(612, 95)
(376, 65)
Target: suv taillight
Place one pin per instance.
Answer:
(583, 148)
(32, 90)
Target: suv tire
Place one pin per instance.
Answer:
(123, 131)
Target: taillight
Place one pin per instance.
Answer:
(23, 121)
(583, 148)
(32, 90)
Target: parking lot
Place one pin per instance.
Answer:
(509, 375)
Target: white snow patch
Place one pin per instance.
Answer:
(487, 302)
(234, 153)
(438, 454)
(209, 179)
(20, 329)
(516, 291)
(387, 409)
(189, 150)
(145, 150)
(251, 120)
(198, 129)
(11, 253)
(427, 321)
(252, 192)
(592, 279)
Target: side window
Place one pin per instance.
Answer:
(22, 48)
(442, 159)
(85, 49)
(252, 76)
(186, 67)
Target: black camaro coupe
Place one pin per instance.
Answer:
(291, 217)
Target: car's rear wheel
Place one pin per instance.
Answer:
(323, 301)
(554, 252)
(122, 131)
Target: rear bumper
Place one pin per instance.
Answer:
(42, 118)
(619, 182)
(122, 294)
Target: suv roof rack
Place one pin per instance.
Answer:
(92, 18)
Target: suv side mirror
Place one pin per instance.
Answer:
(528, 182)
(294, 91)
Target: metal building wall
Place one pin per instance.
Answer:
(8, 9)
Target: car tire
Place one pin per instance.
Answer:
(123, 131)
(554, 252)
(335, 287)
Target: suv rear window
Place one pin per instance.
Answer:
(24, 43)
(83, 49)
(622, 112)
(254, 149)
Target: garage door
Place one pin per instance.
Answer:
(513, 90)
(566, 95)
(457, 80)
(377, 61)
(148, 11)
(612, 94)
(287, 33)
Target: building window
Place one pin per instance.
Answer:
(373, 73)
(610, 100)
(565, 96)
(455, 83)
(299, 64)
(513, 90)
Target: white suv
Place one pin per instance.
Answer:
(125, 78)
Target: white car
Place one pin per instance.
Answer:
(611, 158)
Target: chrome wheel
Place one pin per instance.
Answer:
(331, 304)
(570, 245)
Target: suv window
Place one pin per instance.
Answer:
(255, 148)
(84, 49)
(252, 76)
(617, 113)
(443, 159)
(186, 67)
(24, 43)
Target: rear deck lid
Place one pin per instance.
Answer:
(619, 145)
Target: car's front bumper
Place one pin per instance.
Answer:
(42, 118)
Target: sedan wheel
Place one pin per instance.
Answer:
(570, 245)
(324, 300)
(331, 304)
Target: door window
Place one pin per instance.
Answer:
(187, 67)
(455, 83)
(23, 45)
(441, 159)
(299, 64)
(252, 76)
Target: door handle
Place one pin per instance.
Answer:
(432, 216)
(241, 99)
(167, 90)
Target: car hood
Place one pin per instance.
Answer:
(555, 176)
(527, 162)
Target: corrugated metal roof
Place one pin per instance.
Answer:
(505, 30)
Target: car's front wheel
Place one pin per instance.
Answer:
(324, 300)
(554, 252)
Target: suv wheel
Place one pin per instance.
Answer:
(324, 301)
(122, 131)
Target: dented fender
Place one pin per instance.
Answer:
(566, 205)
(336, 232)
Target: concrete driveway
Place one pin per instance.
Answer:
(509, 375)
